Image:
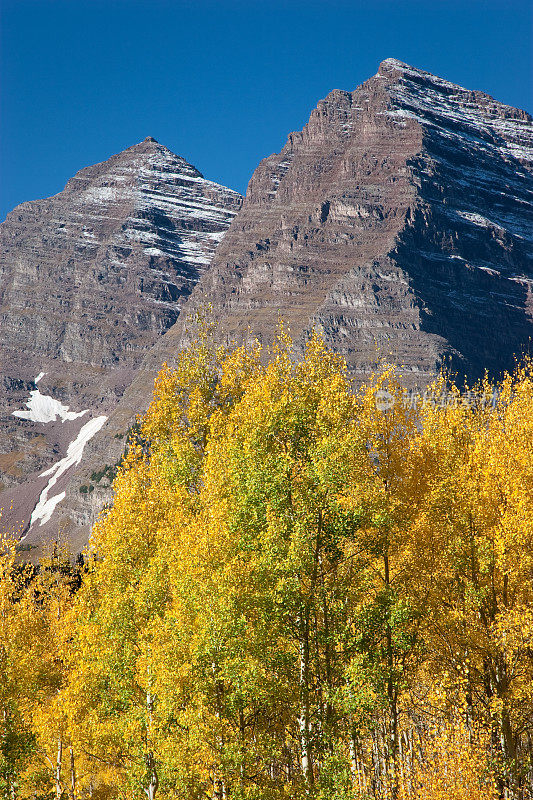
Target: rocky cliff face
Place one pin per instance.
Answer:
(89, 279)
(400, 220)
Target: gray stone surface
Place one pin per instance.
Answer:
(399, 220)
(89, 279)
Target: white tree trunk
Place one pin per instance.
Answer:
(72, 776)
(304, 719)
(58, 767)
(153, 784)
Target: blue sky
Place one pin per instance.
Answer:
(220, 82)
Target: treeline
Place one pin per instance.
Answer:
(301, 591)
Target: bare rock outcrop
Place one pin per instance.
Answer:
(89, 279)
(400, 220)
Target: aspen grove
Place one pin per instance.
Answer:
(300, 591)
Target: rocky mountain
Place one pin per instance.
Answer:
(399, 220)
(89, 279)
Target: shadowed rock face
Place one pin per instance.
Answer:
(89, 279)
(400, 220)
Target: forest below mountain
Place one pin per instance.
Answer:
(302, 590)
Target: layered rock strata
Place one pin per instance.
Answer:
(89, 280)
(400, 221)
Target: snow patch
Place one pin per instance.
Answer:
(457, 114)
(103, 195)
(47, 508)
(43, 408)
(477, 219)
(46, 505)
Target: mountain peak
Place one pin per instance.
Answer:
(106, 266)
(393, 63)
(393, 67)
(399, 221)
(399, 218)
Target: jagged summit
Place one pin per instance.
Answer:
(89, 279)
(436, 102)
(400, 220)
(395, 63)
(389, 65)
(139, 161)
(396, 69)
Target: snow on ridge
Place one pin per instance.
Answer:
(171, 167)
(510, 224)
(459, 113)
(46, 505)
(166, 184)
(185, 205)
(132, 178)
(152, 199)
(486, 124)
(478, 219)
(407, 69)
(44, 408)
(103, 195)
(166, 175)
